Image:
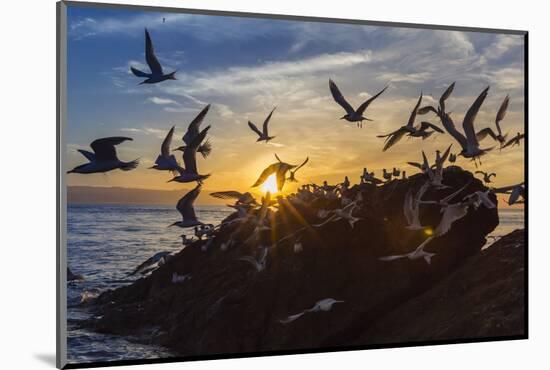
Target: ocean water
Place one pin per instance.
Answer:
(107, 242)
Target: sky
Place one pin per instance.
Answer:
(246, 66)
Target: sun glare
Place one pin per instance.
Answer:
(270, 184)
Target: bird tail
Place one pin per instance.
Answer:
(130, 165)
(201, 178)
(205, 149)
(172, 76)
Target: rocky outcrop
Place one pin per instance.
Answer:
(228, 306)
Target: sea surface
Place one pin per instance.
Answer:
(107, 242)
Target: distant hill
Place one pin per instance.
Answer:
(120, 195)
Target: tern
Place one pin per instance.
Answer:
(396, 172)
(480, 197)
(419, 252)
(260, 263)
(104, 157)
(264, 134)
(515, 192)
(156, 75)
(469, 143)
(157, 260)
(292, 177)
(386, 175)
(323, 305)
(514, 141)
(245, 199)
(486, 176)
(351, 114)
(166, 161)
(501, 139)
(186, 209)
(411, 207)
(452, 158)
(193, 131)
(190, 172)
(409, 129)
(279, 169)
(345, 213)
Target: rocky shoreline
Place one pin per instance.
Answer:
(225, 305)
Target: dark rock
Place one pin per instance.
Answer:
(229, 307)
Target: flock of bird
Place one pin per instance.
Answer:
(104, 158)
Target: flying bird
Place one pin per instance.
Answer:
(419, 252)
(190, 172)
(279, 169)
(104, 157)
(501, 139)
(352, 115)
(157, 260)
(515, 192)
(411, 207)
(156, 75)
(292, 177)
(166, 161)
(260, 263)
(193, 131)
(264, 134)
(468, 142)
(486, 176)
(514, 141)
(242, 198)
(186, 209)
(322, 305)
(409, 129)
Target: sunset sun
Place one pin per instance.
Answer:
(270, 185)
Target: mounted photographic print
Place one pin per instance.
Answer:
(234, 184)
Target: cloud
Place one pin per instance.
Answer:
(162, 101)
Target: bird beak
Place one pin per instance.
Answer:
(181, 148)
(174, 224)
(170, 180)
(343, 117)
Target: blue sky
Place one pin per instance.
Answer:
(245, 67)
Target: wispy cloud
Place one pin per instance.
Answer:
(162, 101)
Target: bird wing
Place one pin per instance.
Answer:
(300, 166)
(104, 148)
(254, 128)
(139, 73)
(193, 128)
(445, 95)
(510, 142)
(451, 214)
(408, 209)
(185, 204)
(445, 155)
(412, 117)
(515, 195)
(281, 177)
(501, 113)
(426, 125)
(469, 118)
(393, 139)
(415, 164)
(230, 194)
(451, 129)
(266, 122)
(266, 173)
(449, 197)
(190, 151)
(426, 109)
(364, 106)
(482, 134)
(165, 147)
(150, 57)
(89, 155)
(339, 98)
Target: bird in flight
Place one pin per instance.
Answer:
(104, 157)
(409, 129)
(352, 115)
(166, 161)
(157, 74)
(186, 209)
(279, 169)
(486, 176)
(514, 141)
(193, 131)
(292, 177)
(482, 134)
(264, 134)
(190, 172)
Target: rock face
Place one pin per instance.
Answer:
(228, 306)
